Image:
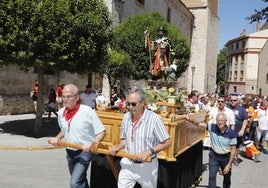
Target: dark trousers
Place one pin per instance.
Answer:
(217, 161)
(251, 134)
(78, 162)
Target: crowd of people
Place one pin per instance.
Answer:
(91, 97)
(246, 114)
(234, 121)
(143, 133)
(242, 116)
(55, 101)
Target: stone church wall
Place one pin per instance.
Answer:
(15, 87)
(14, 81)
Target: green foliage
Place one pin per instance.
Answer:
(163, 95)
(130, 38)
(116, 66)
(221, 67)
(259, 14)
(54, 34)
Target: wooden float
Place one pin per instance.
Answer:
(183, 134)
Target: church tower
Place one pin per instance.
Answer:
(201, 74)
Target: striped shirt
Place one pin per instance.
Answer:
(147, 133)
(221, 141)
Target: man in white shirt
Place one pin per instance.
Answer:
(222, 108)
(88, 97)
(213, 116)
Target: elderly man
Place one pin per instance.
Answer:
(220, 107)
(241, 122)
(223, 149)
(79, 124)
(142, 133)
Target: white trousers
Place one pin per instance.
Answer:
(143, 173)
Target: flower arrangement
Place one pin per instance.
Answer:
(121, 105)
(178, 98)
(171, 96)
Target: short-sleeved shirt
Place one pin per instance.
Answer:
(84, 125)
(221, 141)
(262, 111)
(148, 132)
(263, 123)
(229, 113)
(35, 89)
(240, 115)
(88, 99)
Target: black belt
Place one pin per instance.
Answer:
(137, 162)
(74, 152)
(220, 155)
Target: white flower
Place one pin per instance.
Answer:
(152, 106)
(116, 103)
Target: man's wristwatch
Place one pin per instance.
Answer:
(152, 151)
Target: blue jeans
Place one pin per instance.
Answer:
(217, 161)
(78, 162)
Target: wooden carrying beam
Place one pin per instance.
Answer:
(99, 148)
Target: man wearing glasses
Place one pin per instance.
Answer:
(241, 122)
(221, 107)
(79, 124)
(144, 134)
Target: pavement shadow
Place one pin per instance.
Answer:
(25, 127)
(205, 167)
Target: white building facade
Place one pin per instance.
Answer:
(247, 63)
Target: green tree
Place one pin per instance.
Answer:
(117, 66)
(221, 69)
(259, 14)
(53, 35)
(130, 37)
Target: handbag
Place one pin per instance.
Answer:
(32, 93)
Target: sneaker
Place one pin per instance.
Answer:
(256, 158)
(235, 162)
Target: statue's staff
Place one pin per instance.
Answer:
(148, 43)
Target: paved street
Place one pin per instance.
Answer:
(248, 174)
(28, 162)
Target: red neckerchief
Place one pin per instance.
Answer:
(262, 107)
(134, 124)
(69, 113)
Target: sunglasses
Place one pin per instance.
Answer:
(233, 100)
(131, 103)
(220, 101)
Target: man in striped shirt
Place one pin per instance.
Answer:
(222, 151)
(144, 134)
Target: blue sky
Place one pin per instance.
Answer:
(232, 14)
